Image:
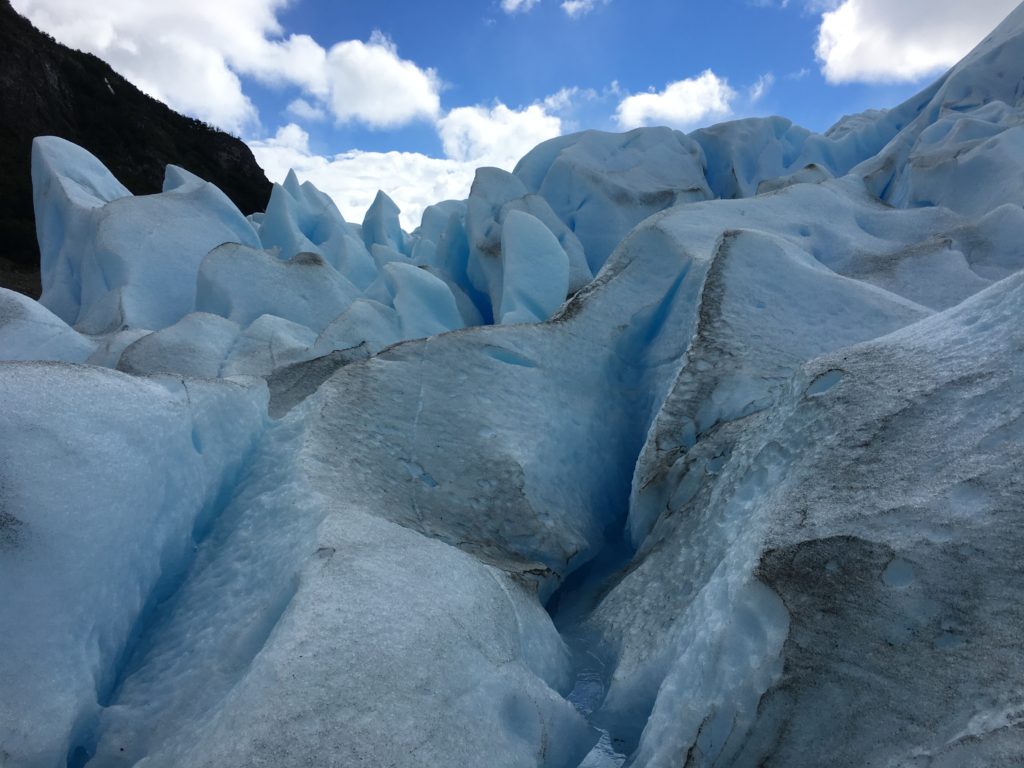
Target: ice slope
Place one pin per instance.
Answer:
(376, 643)
(859, 503)
(29, 331)
(99, 507)
(310, 547)
(729, 478)
(751, 335)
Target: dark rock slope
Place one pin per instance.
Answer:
(49, 89)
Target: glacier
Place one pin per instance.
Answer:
(663, 449)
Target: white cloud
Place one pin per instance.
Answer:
(352, 179)
(576, 8)
(883, 40)
(760, 88)
(179, 56)
(303, 110)
(298, 60)
(517, 6)
(565, 99)
(472, 137)
(190, 54)
(371, 83)
(683, 104)
(290, 137)
(496, 136)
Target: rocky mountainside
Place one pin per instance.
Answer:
(49, 89)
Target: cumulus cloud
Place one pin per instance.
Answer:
(882, 40)
(190, 54)
(371, 83)
(683, 104)
(496, 135)
(472, 137)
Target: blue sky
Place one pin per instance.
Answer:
(411, 96)
(484, 54)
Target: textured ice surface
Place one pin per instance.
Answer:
(29, 331)
(365, 321)
(732, 477)
(142, 464)
(424, 304)
(602, 184)
(194, 346)
(242, 283)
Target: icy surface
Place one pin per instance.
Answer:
(732, 476)
(194, 346)
(111, 259)
(535, 274)
(29, 331)
(142, 464)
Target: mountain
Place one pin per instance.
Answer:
(665, 449)
(49, 89)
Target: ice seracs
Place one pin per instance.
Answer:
(535, 270)
(602, 184)
(112, 259)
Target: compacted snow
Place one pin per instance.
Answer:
(665, 449)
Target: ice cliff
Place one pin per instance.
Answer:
(665, 449)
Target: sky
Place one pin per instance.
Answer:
(411, 96)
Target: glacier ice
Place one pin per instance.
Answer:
(535, 270)
(29, 331)
(494, 196)
(114, 260)
(602, 185)
(664, 449)
(424, 304)
(195, 346)
(142, 465)
(365, 322)
(242, 283)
